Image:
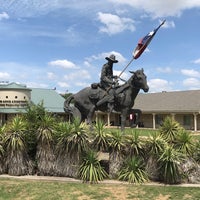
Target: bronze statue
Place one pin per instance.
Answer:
(86, 100)
(107, 82)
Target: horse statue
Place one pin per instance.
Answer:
(85, 101)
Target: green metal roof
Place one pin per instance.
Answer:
(52, 101)
(13, 86)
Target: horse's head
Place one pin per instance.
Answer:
(139, 80)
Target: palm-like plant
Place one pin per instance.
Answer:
(101, 136)
(133, 171)
(17, 161)
(169, 162)
(185, 143)
(73, 140)
(45, 145)
(117, 146)
(135, 145)
(2, 132)
(90, 170)
(169, 129)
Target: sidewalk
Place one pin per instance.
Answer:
(67, 179)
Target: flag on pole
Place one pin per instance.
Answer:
(144, 42)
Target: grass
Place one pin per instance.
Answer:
(15, 189)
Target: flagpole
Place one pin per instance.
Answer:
(126, 67)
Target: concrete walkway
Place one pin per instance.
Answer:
(67, 179)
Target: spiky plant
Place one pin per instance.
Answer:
(117, 150)
(135, 145)
(185, 143)
(101, 136)
(64, 165)
(73, 140)
(133, 171)
(90, 169)
(169, 162)
(45, 146)
(170, 129)
(17, 161)
(2, 132)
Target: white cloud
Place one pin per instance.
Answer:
(4, 76)
(114, 24)
(164, 69)
(118, 56)
(197, 61)
(190, 72)
(4, 15)
(63, 84)
(51, 75)
(158, 85)
(192, 83)
(77, 76)
(168, 24)
(66, 64)
(158, 8)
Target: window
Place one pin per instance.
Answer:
(186, 120)
(15, 97)
(6, 97)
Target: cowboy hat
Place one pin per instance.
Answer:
(112, 58)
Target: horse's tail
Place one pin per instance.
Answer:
(72, 110)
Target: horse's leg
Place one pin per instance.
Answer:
(90, 115)
(123, 118)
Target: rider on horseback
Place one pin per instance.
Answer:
(107, 82)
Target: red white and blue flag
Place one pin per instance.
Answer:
(144, 42)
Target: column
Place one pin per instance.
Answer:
(154, 121)
(195, 121)
(108, 119)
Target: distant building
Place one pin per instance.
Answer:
(14, 99)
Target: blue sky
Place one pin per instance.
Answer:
(63, 44)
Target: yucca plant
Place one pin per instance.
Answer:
(117, 150)
(169, 129)
(133, 171)
(135, 145)
(185, 143)
(64, 164)
(17, 161)
(197, 151)
(45, 146)
(90, 169)
(2, 135)
(72, 142)
(155, 144)
(101, 137)
(169, 162)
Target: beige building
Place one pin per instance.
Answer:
(14, 99)
(183, 106)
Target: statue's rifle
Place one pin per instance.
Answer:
(142, 45)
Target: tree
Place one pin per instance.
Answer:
(16, 159)
(117, 150)
(2, 151)
(45, 156)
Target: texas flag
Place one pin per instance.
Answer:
(144, 42)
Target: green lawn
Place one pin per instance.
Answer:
(16, 189)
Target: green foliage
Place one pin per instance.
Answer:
(184, 142)
(101, 136)
(2, 135)
(117, 141)
(14, 137)
(168, 162)
(78, 138)
(169, 129)
(133, 171)
(90, 170)
(155, 144)
(135, 144)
